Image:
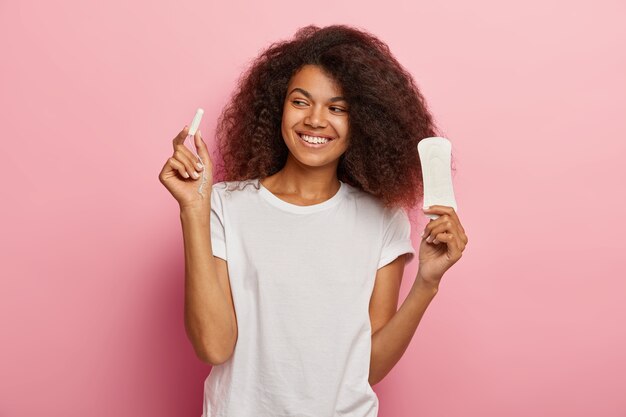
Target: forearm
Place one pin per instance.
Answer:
(209, 319)
(390, 342)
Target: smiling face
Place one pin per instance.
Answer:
(315, 124)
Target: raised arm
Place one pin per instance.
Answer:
(210, 319)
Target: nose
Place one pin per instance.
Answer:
(315, 117)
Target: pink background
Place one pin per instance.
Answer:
(530, 322)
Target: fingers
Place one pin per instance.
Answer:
(442, 224)
(445, 233)
(185, 158)
(444, 211)
(455, 248)
(180, 138)
(178, 166)
(202, 150)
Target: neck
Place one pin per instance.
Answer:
(309, 183)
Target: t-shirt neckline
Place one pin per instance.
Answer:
(294, 208)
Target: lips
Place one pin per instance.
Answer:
(304, 132)
(312, 145)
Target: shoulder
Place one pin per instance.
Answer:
(234, 193)
(368, 203)
(363, 198)
(224, 187)
(371, 207)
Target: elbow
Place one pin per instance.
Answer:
(215, 353)
(213, 350)
(372, 380)
(375, 376)
(213, 358)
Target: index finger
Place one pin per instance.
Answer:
(180, 138)
(445, 210)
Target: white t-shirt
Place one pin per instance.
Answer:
(301, 279)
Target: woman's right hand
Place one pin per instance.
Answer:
(178, 176)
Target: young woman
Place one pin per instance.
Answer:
(294, 258)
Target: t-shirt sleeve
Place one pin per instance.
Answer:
(396, 236)
(218, 232)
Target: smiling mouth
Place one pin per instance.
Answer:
(314, 140)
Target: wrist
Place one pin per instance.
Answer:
(429, 285)
(195, 213)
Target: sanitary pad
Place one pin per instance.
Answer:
(435, 157)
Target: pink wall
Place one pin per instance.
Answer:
(530, 322)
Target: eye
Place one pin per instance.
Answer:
(338, 109)
(296, 101)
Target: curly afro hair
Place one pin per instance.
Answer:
(388, 114)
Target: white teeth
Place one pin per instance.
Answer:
(314, 139)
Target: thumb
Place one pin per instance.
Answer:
(203, 152)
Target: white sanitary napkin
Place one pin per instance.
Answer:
(435, 157)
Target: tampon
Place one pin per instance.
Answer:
(193, 127)
(435, 157)
(195, 123)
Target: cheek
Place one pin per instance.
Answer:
(288, 118)
(344, 126)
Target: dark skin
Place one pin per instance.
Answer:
(310, 177)
(312, 104)
(443, 243)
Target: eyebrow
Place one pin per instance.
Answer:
(308, 95)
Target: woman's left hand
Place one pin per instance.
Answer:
(443, 243)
